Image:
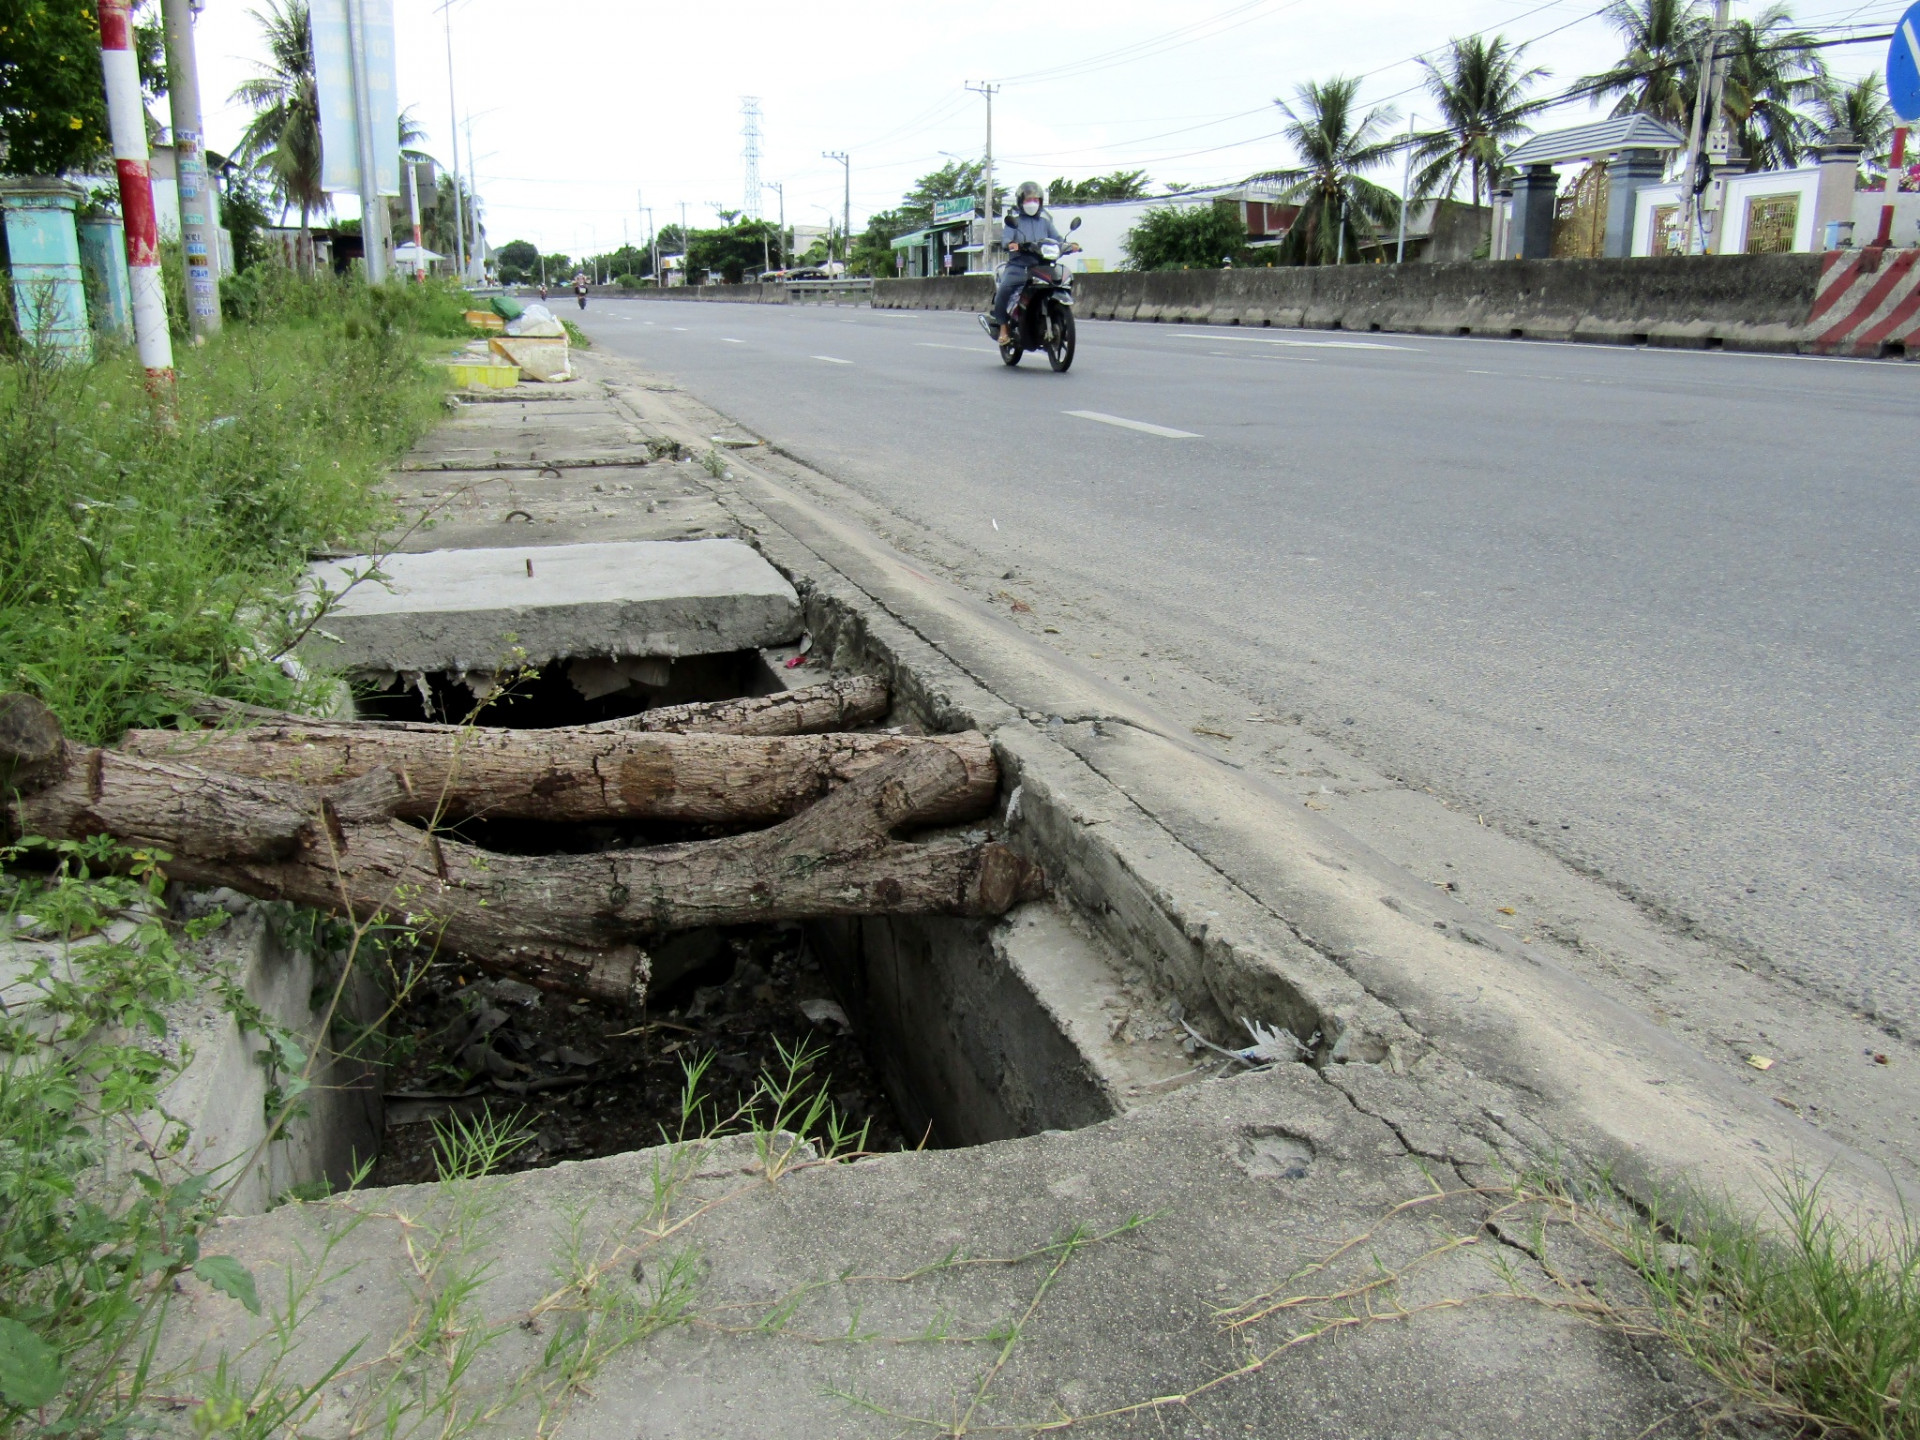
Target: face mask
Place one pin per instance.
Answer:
(1032, 207)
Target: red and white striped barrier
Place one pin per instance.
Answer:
(127, 118)
(1866, 301)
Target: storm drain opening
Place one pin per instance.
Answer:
(920, 1029)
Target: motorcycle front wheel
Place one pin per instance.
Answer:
(1010, 352)
(1060, 342)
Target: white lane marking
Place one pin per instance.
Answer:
(1301, 344)
(729, 340)
(1125, 424)
(970, 349)
(1242, 355)
(679, 327)
(831, 359)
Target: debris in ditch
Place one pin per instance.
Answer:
(586, 1081)
(1760, 1062)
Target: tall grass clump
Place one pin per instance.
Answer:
(144, 555)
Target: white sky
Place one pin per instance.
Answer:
(582, 109)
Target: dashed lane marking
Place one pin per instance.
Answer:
(1125, 424)
(831, 359)
(1298, 344)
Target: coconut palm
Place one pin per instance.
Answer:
(1338, 205)
(1660, 67)
(1773, 73)
(1862, 109)
(1481, 90)
(283, 138)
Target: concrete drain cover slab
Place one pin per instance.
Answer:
(468, 610)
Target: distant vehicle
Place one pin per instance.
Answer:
(803, 272)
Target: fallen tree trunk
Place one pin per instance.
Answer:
(577, 775)
(840, 704)
(565, 922)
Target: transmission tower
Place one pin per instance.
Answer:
(750, 108)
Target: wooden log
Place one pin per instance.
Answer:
(839, 704)
(566, 922)
(575, 774)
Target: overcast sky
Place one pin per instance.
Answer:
(607, 104)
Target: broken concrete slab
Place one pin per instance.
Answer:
(484, 610)
(462, 510)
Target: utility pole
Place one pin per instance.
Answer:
(846, 220)
(1406, 194)
(988, 232)
(453, 121)
(786, 249)
(686, 271)
(1706, 100)
(373, 206)
(413, 212)
(197, 237)
(127, 119)
(477, 249)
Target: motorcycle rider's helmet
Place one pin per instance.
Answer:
(1029, 199)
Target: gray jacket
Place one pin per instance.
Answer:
(1029, 231)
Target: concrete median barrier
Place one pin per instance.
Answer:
(1736, 302)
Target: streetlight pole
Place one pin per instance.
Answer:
(189, 148)
(453, 121)
(987, 234)
(846, 214)
(1406, 192)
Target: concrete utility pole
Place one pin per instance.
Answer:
(477, 248)
(846, 220)
(127, 119)
(786, 249)
(453, 123)
(197, 223)
(1706, 99)
(413, 212)
(1406, 193)
(373, 207)
(988, 231)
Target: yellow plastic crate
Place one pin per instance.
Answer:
(486, 320)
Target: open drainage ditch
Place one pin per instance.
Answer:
(928, 1030)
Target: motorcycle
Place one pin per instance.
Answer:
(1041, 316)
(580, 291)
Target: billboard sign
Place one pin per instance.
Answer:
(333, 72)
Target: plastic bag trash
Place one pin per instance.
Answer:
(535, 320)
(825, 1012)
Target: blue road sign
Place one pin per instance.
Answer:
(1903, 66)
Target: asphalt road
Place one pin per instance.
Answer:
(1656, 608)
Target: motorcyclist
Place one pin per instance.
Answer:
(1028, 223)
(580, 288)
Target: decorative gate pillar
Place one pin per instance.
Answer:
(1531, 235)
(103, 258)
(49, 295)
(1627, 173)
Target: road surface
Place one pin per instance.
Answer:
(1654, 610)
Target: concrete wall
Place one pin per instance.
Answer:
(1737, 301)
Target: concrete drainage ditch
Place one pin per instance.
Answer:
(935, 1031)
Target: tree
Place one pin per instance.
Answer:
(1120, 185)
(243, 211)
(732, 249)
(1481, 91)
(1774, 72)
(53, 107)
(519, 261)
(1862, 109)
(1659, 69)
(873, 247)
(1338, 205)
(955, 178)
(440, 223)
(283, 138)
(1187, 237)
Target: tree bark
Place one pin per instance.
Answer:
(577, 775)
(840, 704)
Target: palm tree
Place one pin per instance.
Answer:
(283, 138)
(1481, 90)
(1657, 73)
(1861, 108)
(1773, 72)
(1336, 203)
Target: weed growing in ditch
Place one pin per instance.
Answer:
(139, 558)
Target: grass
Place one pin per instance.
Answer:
(142, 555)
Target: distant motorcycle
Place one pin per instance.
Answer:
(1041, 316)
(580, 293)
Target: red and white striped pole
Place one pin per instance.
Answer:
(127, 118)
